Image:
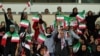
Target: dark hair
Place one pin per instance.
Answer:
(89, 12)
(42, 47)
(8, 8)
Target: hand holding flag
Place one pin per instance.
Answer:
(80, 17)
(1, 5)
(28, 4)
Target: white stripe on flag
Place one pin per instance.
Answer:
(27, 46)
(79, 18)
(15, 39)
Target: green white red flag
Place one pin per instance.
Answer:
(28, 4)
(41, 38)
(1, 5)
(35, 18)
(24, 23)
(73, 22)
(60, 18)
(14, 38)
(82, 26)
(76, 47)
(81, 16)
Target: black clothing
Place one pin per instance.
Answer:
(73, 14)
(8, 22)
(90, 22)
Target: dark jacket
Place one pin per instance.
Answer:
(58, 51)
(90, 21)
(8, 22)
(22, 29)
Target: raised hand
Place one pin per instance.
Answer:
(3, 9)
(24, 9)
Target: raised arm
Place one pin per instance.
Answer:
(22, 14)
(5, 15)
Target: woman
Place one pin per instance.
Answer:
(24, 22)
(74, 12)
(90, 20)
(37, 27)
(97, 53)
(43, 51)
(2, 31)
(83, 51)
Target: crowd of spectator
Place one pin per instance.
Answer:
(18, 40)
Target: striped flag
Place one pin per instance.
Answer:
(35, 18)
(24, 23)
(14, 38)
(60, 17)
(82, 26)
(80, 17)
(76, 47)
(28, 39)
(41, 38)
(28, 4)
(1, 5)
(66, 21)
(73, 22)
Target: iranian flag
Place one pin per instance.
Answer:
(15, 38)
(3, 41)
(76, 47)
(80, 17)
(1, 5)
(60, 17)
(73, 22)
(82, 26)
(35, 18)
(66, 21)
(28, 39)
(41, 38)
(28, 4)
(24, 23)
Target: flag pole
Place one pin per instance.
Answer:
(30, 5)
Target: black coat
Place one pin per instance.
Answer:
(8, 22)
(73, 14)
(96, 53)
(90, 22)
(58, 51)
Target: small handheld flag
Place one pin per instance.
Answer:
(41, 38)
(80, 17)
(1, 5)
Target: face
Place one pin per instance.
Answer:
(90, 13)
(12, 29)
(25, 16)
(9, 11)
(75, 10)
(48, 31)
(97, 26)
(43, 51)
(83, 47)
(61, 33)
(98, 48)
(46, 11)
(59, 8)
(3, 24)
